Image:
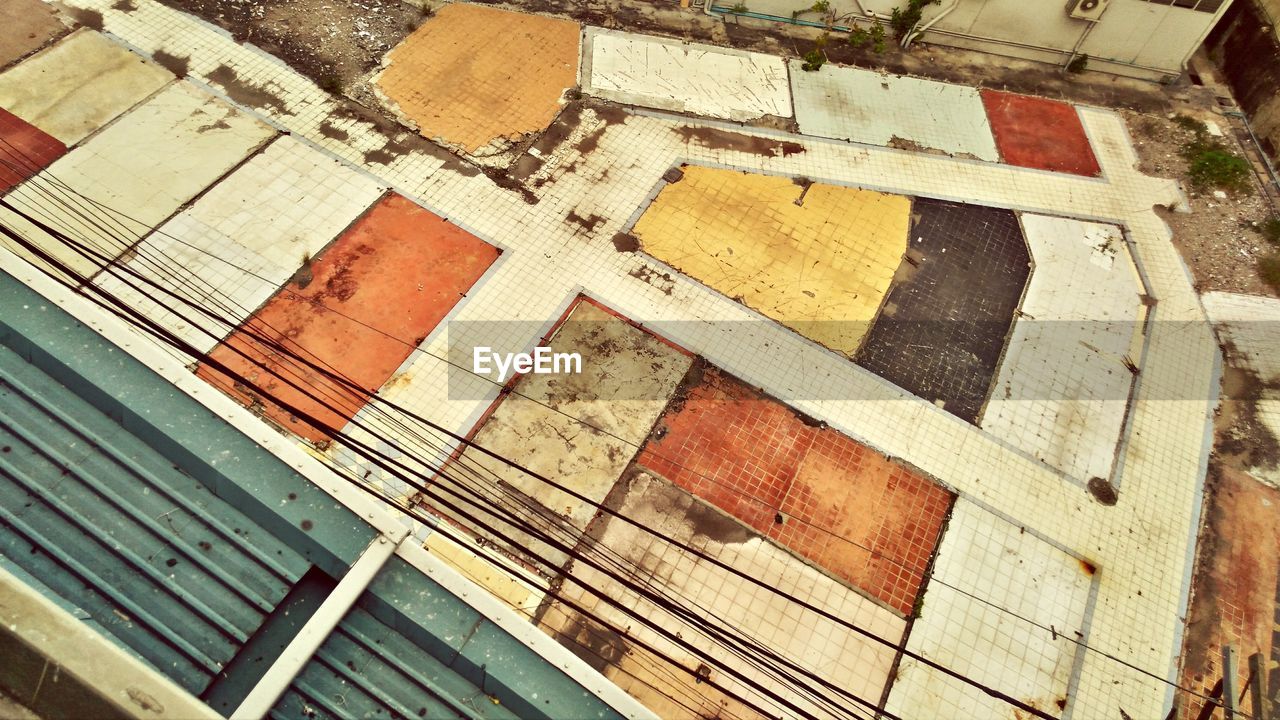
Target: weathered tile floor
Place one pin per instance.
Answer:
(816, 643)
(816, 258)
(114, 187)
(1062, 393)
(79, 84)
(620, 393)
(683, 77)
(479, 78)
(245, 237)
(357, 310)
(847, 103)
(29, 25)
(606, 167)
(1039, 133)
(945, 320)
(866, 519)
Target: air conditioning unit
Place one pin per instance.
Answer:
(1090, 10)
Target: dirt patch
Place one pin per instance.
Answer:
(715, 139)
(399, 140)
(1220, 239)
(588, 222)
(661, 281)
(626, 242)
(175, 64)
(333, 42)
(124, 6)
(1242, 440)
(244, 93)
(89, 18)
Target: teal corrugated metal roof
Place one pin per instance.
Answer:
(171, 571)
(170, 531)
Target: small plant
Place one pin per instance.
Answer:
(814, 60)
(739, 7)
(1078, 65)
(822, 7)
(877, 39)
(817, 57)
(1270, 229)
(1186, 122)
(1219, 168)
(859, 37)
(1269, 270)
(904, 20)
(1210, 164)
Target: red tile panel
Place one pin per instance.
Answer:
(866, 519)
(730, 446)
(1039, 133)
(24, 150)
(362, 307)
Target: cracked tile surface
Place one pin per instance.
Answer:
(847, 103)
(685, 77)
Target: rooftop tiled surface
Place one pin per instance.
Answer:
(1138, 544)
(817, 258)
(1039, 133)
(471, 74)
(356, 311)
(864, 518)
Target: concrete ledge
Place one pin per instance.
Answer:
(59, 667)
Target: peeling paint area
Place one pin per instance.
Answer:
(1031, 661)
(78, 85)
(1062, 392)
(356, 312)
(480, 79)
(820, 645)
(817, 258)
(865, 518)
(944, 323)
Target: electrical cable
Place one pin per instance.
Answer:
(315, 422)
(1077, 642)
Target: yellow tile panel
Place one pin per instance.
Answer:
(818, 260)
(473, 74)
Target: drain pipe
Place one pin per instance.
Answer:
(922, 29)
(1266, 161)
(708, 8)
(1075, 50)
